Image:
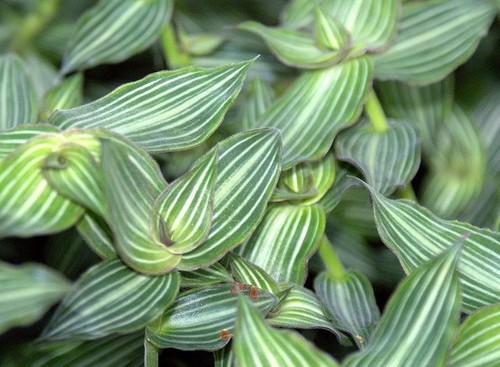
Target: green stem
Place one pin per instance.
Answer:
(34, 23)
(150, 354)
(375, 113)
(174, 55)
(330, 259)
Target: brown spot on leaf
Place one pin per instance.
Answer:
(237, 288)
(225, 334)
(254, 293)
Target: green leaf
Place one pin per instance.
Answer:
(111, 298)
(285, 240)
(165, 111)
(203, 319)
(418, 323)
(214, 274)
(224, 357)
(434, 38)
(415, 235)
(336, 191)
(67, 94)
(256, 344)
(388, 159)
(133, 182)
(18, 103)
(298, 13)
(97, 235)
(246, 272)
(182, 214)
(27, 291)
(316, 107)
(350, 303)
(330, 33)
(259, 98)
(478, 342)
(42, 74)
(114, 30)
(241, 194)
(12, 139)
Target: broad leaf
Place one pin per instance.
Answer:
(415, 235)
(256, 344)
(67, 94)
(285, 240)
(350, 303)
(27, 291)
(114, 30)
(111, 298)
(335, 193)
(388, 159)
(478, 342)
(214, 274)
(203, 319)
(418, 323)
(246, 272)
(165, 111)
(434, 38)
(18, 103)
(259, 98)
(308, 123)
(248, 169)
(11, 140)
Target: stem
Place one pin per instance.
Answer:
(150, 354)
(375, 113)
(330, 259)
(174, 55)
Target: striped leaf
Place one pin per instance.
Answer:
(165, 111)
(114, 30)
(415, 235)
(131, 185)
(256, 344)
(419, 321)
(285, 240)
(335, 193)
(42, 74)
(203, 319)
(248, 169)
(350, 303)
(12, 139)
(298, 13)
(214, 274)
(18, 103)
(316, 107)
(388, 159)
(111, 298)
(67, 94)
(224, 357)
(97, 235)
(28, 205)
(27, 291)
(246, 272)
(434, 38)
(478, 342)
(260, 96)
(329, 32)
(182, 214)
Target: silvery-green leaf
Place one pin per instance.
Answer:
(111, 298)
(203, 277)
(350, 303)
(248, 169)
(203, 319)
(114, 30)
(387, 159)
(165, 111)
(478, 341)
(256, 344)
(182, 214)
(131, 185)
(42, 74)
(309, 123)
(67, 94)
(97, 235)
(419, 321)
(12, 139)
(285, 240)
(18, 103)
(298, 13)
(27, 291)
(415, 235)
(334, 194)
(259, 98)
(246, 272)
(434, 38)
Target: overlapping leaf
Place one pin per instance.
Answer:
(203, 277)
(12, 139)
(111, 298)
(27, 291)
(18, 103)
(434, 38)
(165, 111)
(334, 194)
(97, 235)
(246, 272)
(309, 123)
(260, 97)
(285, 240)
(68, 94)
(114, 30)
(42, 74)
(418, 322)
(203, 319)
(387, 159)
(256, 344)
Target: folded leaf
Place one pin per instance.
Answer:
(165, 111)
(214, 274)
(114, 30)
(434, 38)
(27, 291)
(418, 323)
(111, 298)
(203, 319)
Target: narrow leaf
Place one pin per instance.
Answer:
(67, 94)
(214, 274)
(165, 111)
(111, 298)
